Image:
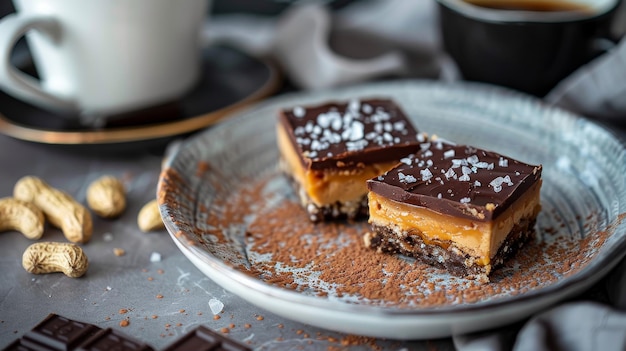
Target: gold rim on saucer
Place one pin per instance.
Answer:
(143, 132)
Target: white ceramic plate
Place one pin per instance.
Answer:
(580, 231)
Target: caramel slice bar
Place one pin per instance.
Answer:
(329, 152)
(455, 206)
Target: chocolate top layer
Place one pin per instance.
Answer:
(458, 180)
(344, 135)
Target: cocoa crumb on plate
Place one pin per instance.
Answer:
(329, 260)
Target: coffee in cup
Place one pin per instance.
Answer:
(528, 45)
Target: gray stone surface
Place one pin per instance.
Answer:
(132, 281)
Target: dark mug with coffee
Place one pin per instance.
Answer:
(527, 45)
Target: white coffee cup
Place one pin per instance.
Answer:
(103, 57)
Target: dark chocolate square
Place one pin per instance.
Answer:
(205, 339)
(111, 339)
(346, 134)
(458, 180)
(58, 333)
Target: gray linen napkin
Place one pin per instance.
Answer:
(317, 49)
(597, 89)
(595, 320)
(408, 30)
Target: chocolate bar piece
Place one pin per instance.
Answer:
(57, 333)
(205, 339)
(455, 206)
(111, 339)
(330, 150)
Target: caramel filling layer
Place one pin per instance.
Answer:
(326, 187)
(478, 239)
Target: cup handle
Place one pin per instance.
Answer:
(17, 83)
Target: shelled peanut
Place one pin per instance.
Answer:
(60, 209)
(149, 218)
(51, 257)
(34, 202)
(106, 197)
(21, 216)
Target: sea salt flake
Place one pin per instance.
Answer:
(459, 162)
(354, 132)
(427, 153)
(331, 137)
(503, 162)
(424, 146)
(477, 184)
(407, 161)
(449, 153)
(348, 117)
(367, 109)
(398, 126)
(336, 124)
(155, 257)
(378, 128)
(498, 181)
(473, 159)
(317, 145)
(439, 196)
(426, 174)
(354, 105)
(490, 166)
(299, 111)
(216, 305)
(420, 137)
(450, 174)
(356, 145)
(508, 181)
(465, 200)
(406, 178)
(382, 114)
(464, 178)
(303, 141)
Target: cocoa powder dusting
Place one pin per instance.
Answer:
(283, 248)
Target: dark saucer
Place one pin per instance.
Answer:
(231, 80)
